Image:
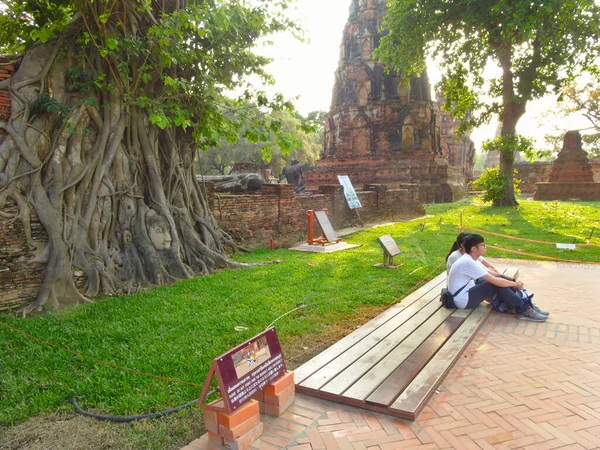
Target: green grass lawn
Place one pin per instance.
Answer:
(176, 331)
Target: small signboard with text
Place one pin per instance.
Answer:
(349, 193)
(390, 249)
(389, 245)
(246, 370)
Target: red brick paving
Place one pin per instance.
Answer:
(518, 385)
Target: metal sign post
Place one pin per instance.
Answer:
(390, 249)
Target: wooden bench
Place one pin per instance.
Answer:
(394, 363)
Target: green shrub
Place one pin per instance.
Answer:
(494, 184)
(44, 103)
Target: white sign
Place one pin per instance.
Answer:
(567, 246)
(349, 193)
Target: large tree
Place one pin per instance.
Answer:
(538, 45)
(110, 105)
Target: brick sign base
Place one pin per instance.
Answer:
(242, 427)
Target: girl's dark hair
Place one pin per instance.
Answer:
(460, 239)
(472, 241)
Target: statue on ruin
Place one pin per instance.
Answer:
(236, 182)
(294, 176)
(240, 182)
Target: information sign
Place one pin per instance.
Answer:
(389, 245)
(566, 246)
(246, 370)
(349, 193)
(326, 227)
(390, 249)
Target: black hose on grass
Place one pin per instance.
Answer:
(131, 418)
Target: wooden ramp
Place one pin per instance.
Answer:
(394, 363)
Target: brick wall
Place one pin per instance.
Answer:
(19, 278)
(539, 171)
(7, 68)
(276, 212)
(531, 173)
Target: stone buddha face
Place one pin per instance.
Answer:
(158, 230)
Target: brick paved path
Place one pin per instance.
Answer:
(518, 385)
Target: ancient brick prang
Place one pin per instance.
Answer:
(460, 149)
(571, 176)
(380, 129)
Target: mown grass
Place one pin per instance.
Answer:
(176, 331)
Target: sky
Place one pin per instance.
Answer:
(306, 70)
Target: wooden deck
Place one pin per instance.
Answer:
(394, 363)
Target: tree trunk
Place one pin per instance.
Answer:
(115, 193)
(513, 109)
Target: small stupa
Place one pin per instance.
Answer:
(571, 176)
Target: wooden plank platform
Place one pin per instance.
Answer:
(394, 363)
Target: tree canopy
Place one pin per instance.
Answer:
(539, 47)
(110, 106)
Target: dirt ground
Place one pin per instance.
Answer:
(69, 431)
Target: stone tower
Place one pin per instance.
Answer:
(461, 149)
(572, 176)
(381, 130)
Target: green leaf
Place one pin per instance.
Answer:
(91, 101)
(143, 102)
(275, 125)
(112, 43)
(43, 35)
(159, 119)
(266, 153)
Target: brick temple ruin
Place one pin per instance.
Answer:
(382, 130)
(571, 176)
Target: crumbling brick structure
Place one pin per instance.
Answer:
(380, 130)
(7, 68)
(461, 149)
(571, 176)
(531, 173)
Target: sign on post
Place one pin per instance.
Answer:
(245, 370)
(390, 249)
(349, 193)
(326, 227)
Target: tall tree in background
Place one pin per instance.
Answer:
(111, 103)
(304, 147)
(581, 98)
(539, 46)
